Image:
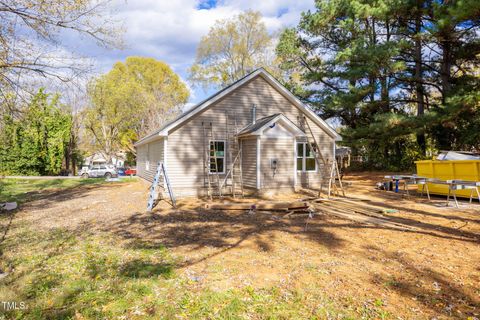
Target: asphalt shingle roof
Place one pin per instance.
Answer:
(183, 115)
(258, 124)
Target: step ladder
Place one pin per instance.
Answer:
(160, 186)
(234, 173)
(335, 185)
(329, 171)
(212, 180)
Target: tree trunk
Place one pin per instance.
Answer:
(384, 93)
(67, 159)
(373, 40)
(419, 75)
(444, 140)
(446, 66)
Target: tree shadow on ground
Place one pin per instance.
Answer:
(355, 225)
(47, 198)
(55, 243)
(194, 227)
(8, 217)
(415, 220)
(427, 213)
(387, 199)
(222, 230)
(427, 286)
(432, 229)
(143, 269)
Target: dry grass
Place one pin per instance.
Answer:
(93, 252)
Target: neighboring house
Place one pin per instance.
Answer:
(98, 159)
(270, 126)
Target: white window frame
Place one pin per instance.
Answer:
(147, 160)
(304, 158)
(224, 156)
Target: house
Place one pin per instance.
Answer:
(98, 159)
(269, 126)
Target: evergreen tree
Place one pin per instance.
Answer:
(389, 72)
(454, 29)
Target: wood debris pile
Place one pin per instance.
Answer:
(359, 211)
(345, 208)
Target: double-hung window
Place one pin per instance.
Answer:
(147, 160)
(217, 156)
(305, 158)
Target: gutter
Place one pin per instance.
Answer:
(148, 139)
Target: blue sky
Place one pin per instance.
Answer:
(170, 30)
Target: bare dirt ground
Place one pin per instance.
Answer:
(432, 272)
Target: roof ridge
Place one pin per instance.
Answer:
(260, 72)
(166, 124)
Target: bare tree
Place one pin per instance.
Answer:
(30, 39)
(233, 48)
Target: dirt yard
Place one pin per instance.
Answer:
(333, 267)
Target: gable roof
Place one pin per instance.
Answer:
(258, 124)
(164, 131)
(261, 124)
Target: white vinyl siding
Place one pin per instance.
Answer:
(148, 156)
(186, 143)
(249, 162)
(279, 149)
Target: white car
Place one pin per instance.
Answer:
(98, 172)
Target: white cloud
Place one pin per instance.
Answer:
(170, 30)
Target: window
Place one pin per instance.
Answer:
(217, 156)
(147, 161)
(305, 158)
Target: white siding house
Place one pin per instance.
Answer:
(271, 131)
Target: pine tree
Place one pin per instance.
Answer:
(393, 73)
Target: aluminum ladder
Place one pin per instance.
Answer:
(333, 174)
(212, 179)
(235, 160)
(160, 185)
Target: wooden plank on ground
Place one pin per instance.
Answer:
(356, 208)
(274, 206)
(361, 202)
(362, 218)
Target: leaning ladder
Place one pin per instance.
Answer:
(334, 174)
(160, 185)
(312, 143)
(332, 181)
(235, 157)
(213, 180)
